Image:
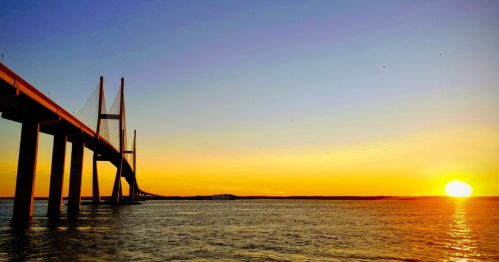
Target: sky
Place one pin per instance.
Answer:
(281, 98)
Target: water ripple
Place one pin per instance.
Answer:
(259, 230)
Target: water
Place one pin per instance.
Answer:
(259, 230)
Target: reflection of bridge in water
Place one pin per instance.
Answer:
(93, 127)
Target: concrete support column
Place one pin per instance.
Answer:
(117, 187)
(131, 191)
(120, 195)
(57, 174)
(95, 181)
(74, 202)
(26, 171)
(116, 196)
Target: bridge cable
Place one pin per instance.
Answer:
(88, 112)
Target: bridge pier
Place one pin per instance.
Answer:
(131, 192)
(26, 171)
(117, 187)
(74, 199)
(95, 181)
(57, 174)
(120, 195)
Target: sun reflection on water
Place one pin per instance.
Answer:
(460, 244)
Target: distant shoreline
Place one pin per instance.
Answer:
(481, 198)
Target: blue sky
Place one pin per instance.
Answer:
(265, 76)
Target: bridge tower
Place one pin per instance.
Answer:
(95, 178)
(117, 189)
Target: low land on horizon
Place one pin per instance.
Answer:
(488, 198)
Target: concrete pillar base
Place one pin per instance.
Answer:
(26, 171)
(95, 181)
(117, 185)
(74, 200)
(57, 175)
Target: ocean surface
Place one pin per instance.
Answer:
(258, 230)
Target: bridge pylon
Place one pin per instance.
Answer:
(95, 175)
(117, 190)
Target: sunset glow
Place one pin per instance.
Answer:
(458, 188)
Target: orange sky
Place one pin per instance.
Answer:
(419, 164)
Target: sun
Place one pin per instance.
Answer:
(456, 188)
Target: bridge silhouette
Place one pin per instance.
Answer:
(93, 127)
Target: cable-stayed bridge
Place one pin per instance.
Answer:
(94, 127)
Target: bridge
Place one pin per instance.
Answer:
(93, 127)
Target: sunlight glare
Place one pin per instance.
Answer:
(456, 188)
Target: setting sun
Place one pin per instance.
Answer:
(456, 188)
